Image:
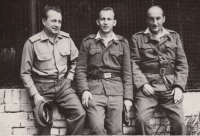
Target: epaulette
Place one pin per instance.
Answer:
(140, 32)
(121, 38)
(92, 36)
(171, 31)
(64, 34)
(35, 38)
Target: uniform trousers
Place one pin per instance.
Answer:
(104, 115)
(67, 101)
(145, 106)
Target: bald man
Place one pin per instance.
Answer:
(160, 71)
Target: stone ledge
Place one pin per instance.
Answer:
(16, 112)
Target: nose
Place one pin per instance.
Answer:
(154, 21)
(106, 22)
(57, 23)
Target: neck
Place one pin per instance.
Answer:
(106, 35)
(51, 36)
(158, 33)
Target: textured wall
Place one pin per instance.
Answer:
(16, 116)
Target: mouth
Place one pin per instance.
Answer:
(105, 27)
(55, 29)
(154, 27)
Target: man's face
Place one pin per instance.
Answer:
(155, 20)
(53, 22)
(106, 21)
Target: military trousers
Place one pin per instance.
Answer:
(145, 106)
(104, 115)
(65, 98)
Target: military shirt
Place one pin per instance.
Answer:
(144, 57)
(45, 61)
(96, 58)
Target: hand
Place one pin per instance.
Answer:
(178, 94)
(147, 90)
(128, 104)
(37, 97)
(85, 97)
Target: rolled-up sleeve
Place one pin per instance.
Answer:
(26, 68)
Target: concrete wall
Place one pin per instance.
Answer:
(16, 116)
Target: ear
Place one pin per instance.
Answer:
(43, 21)
(164, 19)
(97, 21)
(115, 22)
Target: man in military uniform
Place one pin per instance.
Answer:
(160, 72)
(45, 73)
(103, 76)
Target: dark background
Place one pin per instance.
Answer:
(79, 19)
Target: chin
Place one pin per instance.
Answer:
(55, 32)
(106, 31)
(154, 31)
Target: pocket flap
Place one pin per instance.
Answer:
(171, 45)
(64, 52)
(145, 46)
(44, 57)
(116, 53)
(94, 51)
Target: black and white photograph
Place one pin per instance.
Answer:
(99, 67)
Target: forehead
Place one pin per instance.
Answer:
(155, 12)
(54, 14)
(106, 14)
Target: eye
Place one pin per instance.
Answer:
(150, 19)
(158, 18)
(53, 21)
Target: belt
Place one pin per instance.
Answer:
(161, 71)
(47, 80)
(104, 75)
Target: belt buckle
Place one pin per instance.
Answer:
(107, 75)
(162, 71)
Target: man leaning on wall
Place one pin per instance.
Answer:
(103, 76)
(160, 71)
(46, 75)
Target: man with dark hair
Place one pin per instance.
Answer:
(103, 76)
(46, 75)
(160, 71)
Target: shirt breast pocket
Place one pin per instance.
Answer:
(170, 49)
(171, 45)
(116, 58)
(44, 61)
(94, 55)
(64, 57)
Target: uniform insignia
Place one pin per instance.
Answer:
(92, 36)
(35, 38)
(64, 34)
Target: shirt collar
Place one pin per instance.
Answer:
(44, 36)
(164, 32)
(114, 37)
